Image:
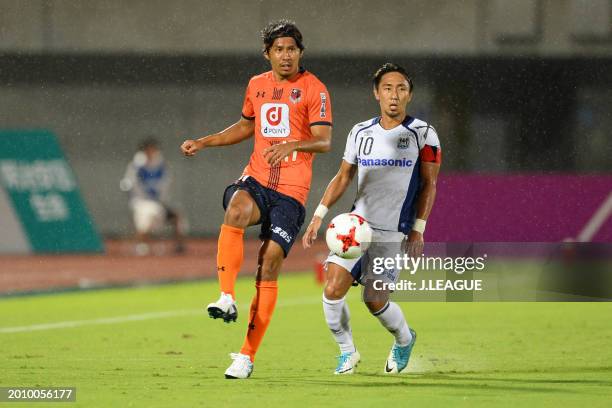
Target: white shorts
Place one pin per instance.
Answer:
(148, 215)
(384, 244)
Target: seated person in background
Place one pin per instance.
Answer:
(147, 181)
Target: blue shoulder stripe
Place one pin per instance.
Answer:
(374, 122)
(406, 123)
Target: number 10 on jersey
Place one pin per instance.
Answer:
(367, 146)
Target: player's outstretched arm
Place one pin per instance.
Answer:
(335, 189)
(236, 133)
(320, 142)
(427, 195)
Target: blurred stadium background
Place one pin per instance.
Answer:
(519, 91)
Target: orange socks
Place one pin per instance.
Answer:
(229, 261)
(230, 253)
(262, 308)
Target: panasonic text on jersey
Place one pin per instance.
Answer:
(384, 162)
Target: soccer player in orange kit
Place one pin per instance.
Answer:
(289, 111)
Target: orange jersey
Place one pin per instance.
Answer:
(284, 112)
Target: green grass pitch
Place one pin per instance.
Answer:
(155, 347)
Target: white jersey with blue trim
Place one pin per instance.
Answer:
(388, 170)
(147, 180)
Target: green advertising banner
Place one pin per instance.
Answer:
(40, 205)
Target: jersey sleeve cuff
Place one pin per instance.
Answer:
(321, 124)
(248, 117)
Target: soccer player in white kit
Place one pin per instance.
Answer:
(397, 159)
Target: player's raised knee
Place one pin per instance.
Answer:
(237, 216)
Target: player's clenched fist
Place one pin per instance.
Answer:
(190, 147)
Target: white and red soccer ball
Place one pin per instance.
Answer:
(348, 236)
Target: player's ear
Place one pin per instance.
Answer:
(376, 96)
(409, 97)
(266, 54)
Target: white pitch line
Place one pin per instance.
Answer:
(137, 317)
(105, 320)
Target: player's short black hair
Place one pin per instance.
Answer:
(281, 28)
(149, 141)
(390, 67)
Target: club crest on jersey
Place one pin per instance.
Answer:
(296, 95)
(403, 143)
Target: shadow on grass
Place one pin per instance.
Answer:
(463, 380)
(517, 380)
(412, 383)
(551, 372)
(548, 370)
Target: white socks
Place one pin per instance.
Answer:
(392, 317)
(337, 317)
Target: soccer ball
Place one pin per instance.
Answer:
(348, 236)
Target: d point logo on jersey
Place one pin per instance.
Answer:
(273, 116)
(275, 120)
